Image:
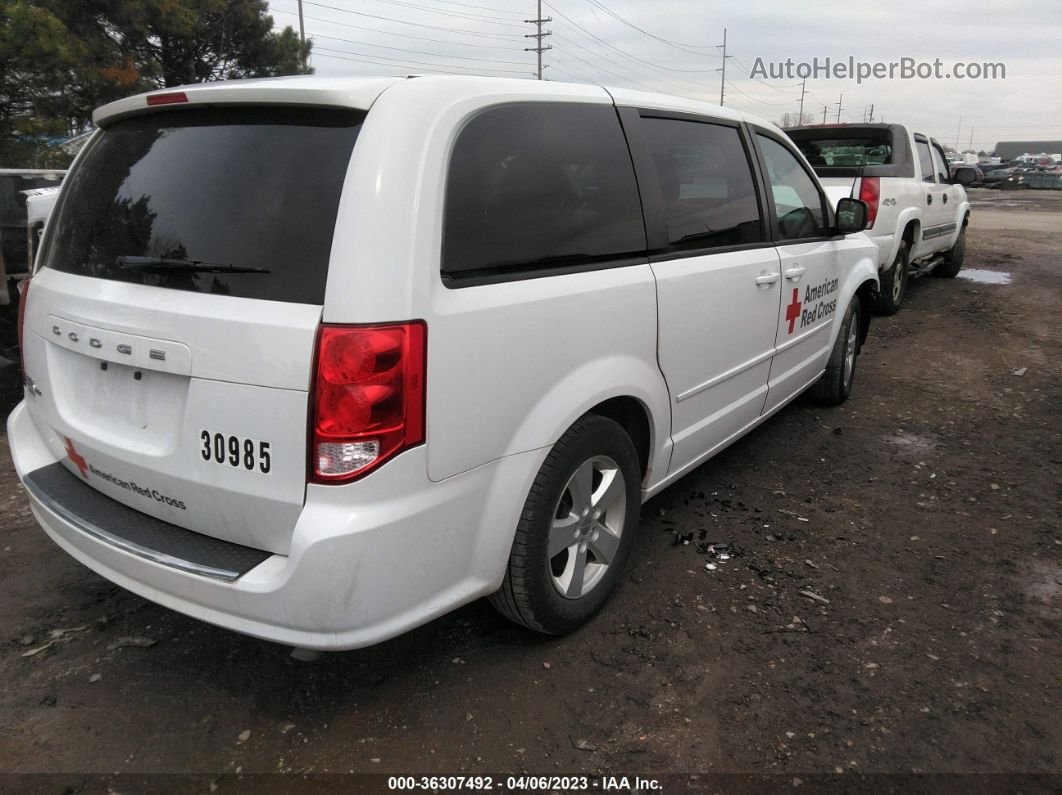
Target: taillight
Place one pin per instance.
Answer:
(23, 292)
(368, 397)
(870, 192)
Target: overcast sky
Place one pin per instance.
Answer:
(670, 46)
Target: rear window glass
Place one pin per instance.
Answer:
(537, 185)
(841, 152)
(230, 201)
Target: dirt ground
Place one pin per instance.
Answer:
(890, 606)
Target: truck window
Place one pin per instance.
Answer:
(925, 160)
(940, 165)
(841, 152)
(539, 185)
(705, 183)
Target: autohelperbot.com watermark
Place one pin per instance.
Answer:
(851, 68)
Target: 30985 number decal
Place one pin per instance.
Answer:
(236, 452)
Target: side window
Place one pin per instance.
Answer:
(940, 165)
(706, 184)
(925, 160)
(532, 185)
(797, 199)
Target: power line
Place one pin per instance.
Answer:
(405, 35)
(416, 52)
(560, 38)
(460, 14)
(623, 52)
(482, 8)
(393, 62)
(732, 87)
(415, 24)
(675, 44)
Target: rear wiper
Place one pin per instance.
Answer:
(174, 264)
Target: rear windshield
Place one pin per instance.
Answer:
(841, 152)
(229, 201)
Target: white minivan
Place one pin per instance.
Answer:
(319, 360)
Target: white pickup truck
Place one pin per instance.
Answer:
(918, 214)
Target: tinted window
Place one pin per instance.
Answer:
(797, 200)
(540, 184)
(705, 183)
(250, 188)
(925, 160)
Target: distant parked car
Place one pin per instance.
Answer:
(1005, 179)
(970, 176)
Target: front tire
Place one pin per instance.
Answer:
(835, 385)
(893, 283)
(576, 530)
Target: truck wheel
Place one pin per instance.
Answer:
(835, 385)
(893, 284)
(576, 529)
(953, 258)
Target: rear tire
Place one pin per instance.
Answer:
(576, 530)
(836, 383)
(894, 282)
(953, 258)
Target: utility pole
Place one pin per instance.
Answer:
(722, 81)
(871, 113)
(800, 119)
(824, 109)
(538, 37)
(839, 100)
(302, 39)
(958, 132)
(971, 138)
(785, 123)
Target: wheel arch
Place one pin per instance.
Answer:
(865, 292)
(633, 416)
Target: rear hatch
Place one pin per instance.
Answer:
(170, 330)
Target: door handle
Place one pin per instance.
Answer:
(765, 279)
(929, 198)
(794, 273)
(945, 198)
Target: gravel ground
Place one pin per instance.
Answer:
(888, 605)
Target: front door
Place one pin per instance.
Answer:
(810, 270)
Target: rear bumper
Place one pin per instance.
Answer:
(368, 561)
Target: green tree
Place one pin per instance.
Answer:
(173, 42)
(61, 59)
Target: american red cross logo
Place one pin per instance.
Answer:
(792, 312)
(77, 458)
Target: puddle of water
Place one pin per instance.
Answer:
(911, 441)
(990, 203)
(1043, 584)
(984, 277)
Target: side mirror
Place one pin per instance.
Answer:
(964, 176)
(851, 216)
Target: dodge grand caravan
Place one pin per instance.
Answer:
(319, 360)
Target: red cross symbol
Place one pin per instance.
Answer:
(77, 458)
(792, 312)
